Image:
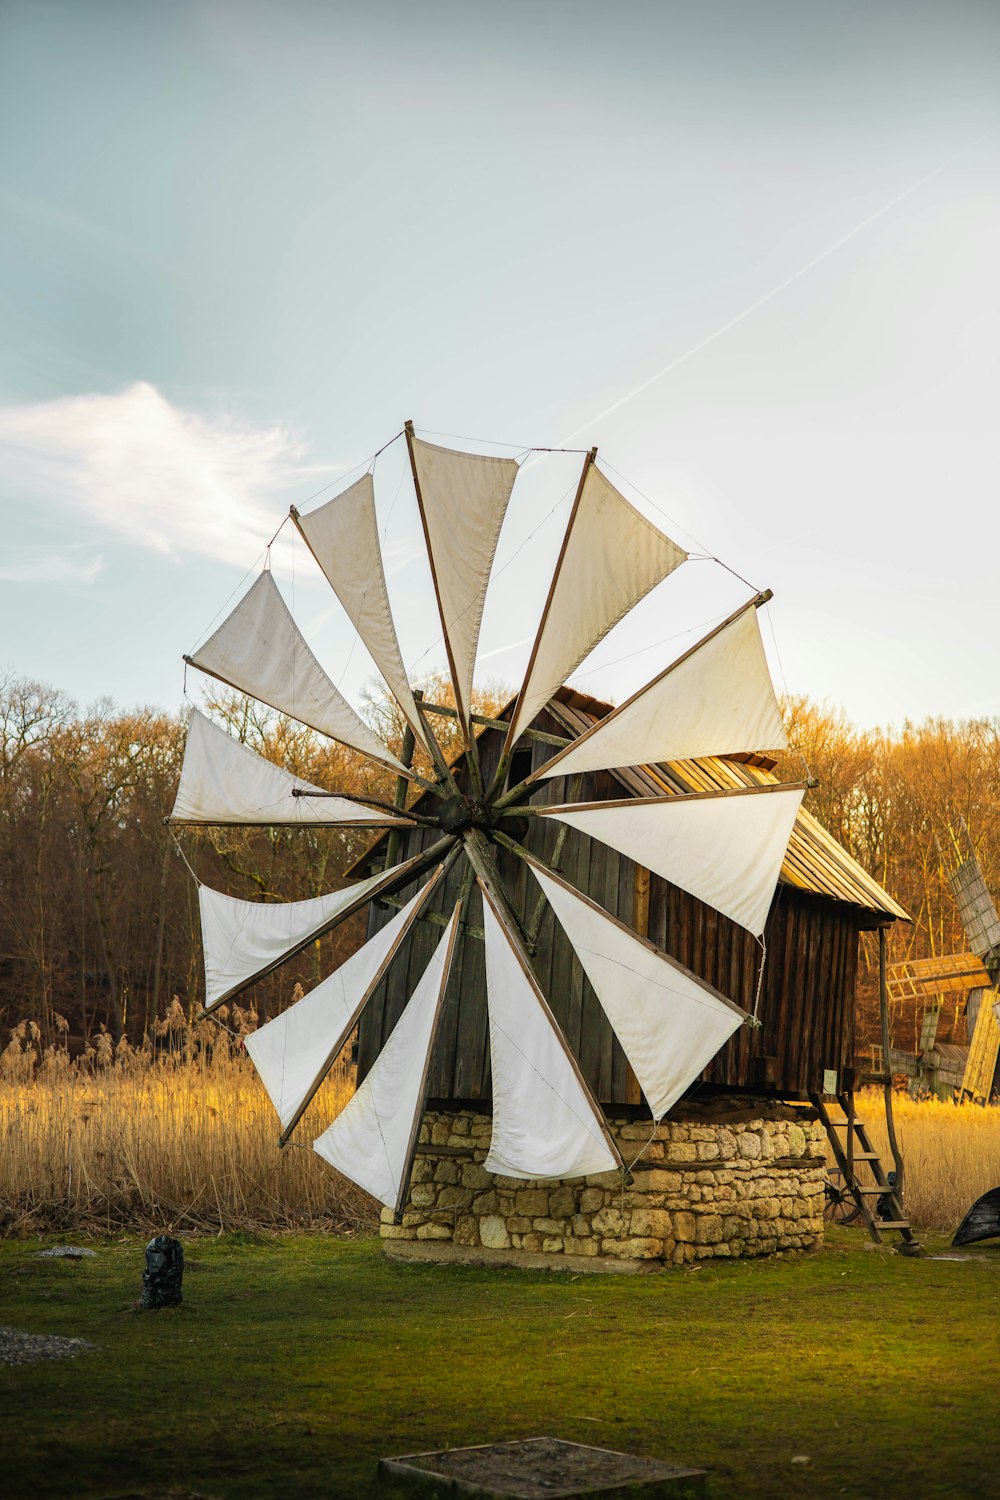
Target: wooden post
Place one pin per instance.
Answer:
(883, 1005)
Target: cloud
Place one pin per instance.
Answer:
(151, 474)
(51, 567)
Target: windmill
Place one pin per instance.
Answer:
(724, 847)
(974, 973)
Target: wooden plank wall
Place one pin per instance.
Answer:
(807, 995)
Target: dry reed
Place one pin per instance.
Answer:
(177, 1135)
(951, 1153)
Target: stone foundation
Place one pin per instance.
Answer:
(750, 1186)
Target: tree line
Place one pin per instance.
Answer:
(99, 913)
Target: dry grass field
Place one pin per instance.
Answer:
(951, 1153)
(180, 1135)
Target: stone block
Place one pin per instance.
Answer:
(517, 1225)
(727, 1144)
(608, 1221)
(682, 1151)
(604, 1180)
(683, 1226)
(434, 1232)
(581, 1224)
(532, 1242)
(708, 1151)
(590, 1199)
(532, 1202)
(748, 1145)
(440, 1132)
(796, 1141)
(486, 1203)
(562, 1202)
(397, 1232)
(460, 1125)
(446, 1172)
(423, 1170)
(473, 1176)
(657, 1182)
(708, 1229)
(651, 1222)
(455, 1197)
(423, 1194)
(467, 1230)
(585, 1247)
(552, 1245)
(549, 1226)
(493, 1233)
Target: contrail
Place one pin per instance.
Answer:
(761, 301)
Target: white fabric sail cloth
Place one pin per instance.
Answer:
(670, 1023)
(260, 650)
(726, 850)
(371, 1139)
(342, 536)
(611, 558)
(463, 499)
(224, 782)
(244, 940)
(294, 1051)
(545, 1123)
(717, 699)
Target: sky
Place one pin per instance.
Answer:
(748, 248)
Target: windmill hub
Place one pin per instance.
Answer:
(458, 813)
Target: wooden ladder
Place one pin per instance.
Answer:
(852, 1145)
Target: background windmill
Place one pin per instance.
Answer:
(974, 973)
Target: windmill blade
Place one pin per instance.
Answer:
(545, 1121)
(259, 650)
(716, 699)
(976, 908)
(342, 536)
(724, 848)
(463, 500)
(372, 1139)
(670, 1023)
(611, 557)
(224, 782)
(243, 941)
(294, 1052)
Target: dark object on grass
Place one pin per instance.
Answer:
(161, 1280)
(982, 1222)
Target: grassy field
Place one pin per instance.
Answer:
(295, 1362)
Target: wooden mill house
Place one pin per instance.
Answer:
(738, 1166)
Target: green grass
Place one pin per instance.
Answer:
(295, 1363)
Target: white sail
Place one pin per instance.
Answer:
(343, 537)
(260, 650)
(463, 500)
(370, 1139)
(670, 1023)
(243, 940)
(544, 1122)
(611, 558)
(726, 850)
(717, 700)
(224, 782)
(293, 1052)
